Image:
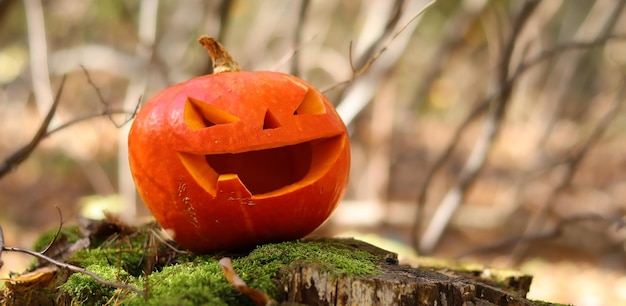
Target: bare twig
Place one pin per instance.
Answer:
(57, 233)
(359, 94)
(350, 55)
(368, 63)
(20, 156)
(107, 106)
(392, 22)
(75, 269)
(94, 86)
(60, 264)
(491, 127)
(91, 116)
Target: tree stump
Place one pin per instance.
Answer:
(328, 271)
(401, 285)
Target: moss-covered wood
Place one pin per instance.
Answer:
(311, 272)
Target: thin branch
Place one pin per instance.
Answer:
(107, 106)
(94, 86)
(366, 66)
(57, 233)
(20, 156)
(350, 55)
(91, 116)
(76, 269)
(73, 268)
(392, 22)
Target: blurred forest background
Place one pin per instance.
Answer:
(486, 130)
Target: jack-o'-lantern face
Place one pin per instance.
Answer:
(269, 144)
(236, 159)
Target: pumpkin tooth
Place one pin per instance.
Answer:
(266, 170)
(231, 187)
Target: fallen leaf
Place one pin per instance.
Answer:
(257, 296)
(41, 277)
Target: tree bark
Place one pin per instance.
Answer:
(400, 285)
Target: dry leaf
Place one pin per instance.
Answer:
(41, 277)
(257, 296)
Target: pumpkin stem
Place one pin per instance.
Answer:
(222, 61)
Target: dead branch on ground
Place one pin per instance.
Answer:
(63, 265)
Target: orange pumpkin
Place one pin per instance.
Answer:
(235, 159)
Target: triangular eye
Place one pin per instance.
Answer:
(200, 114)
(270, 122)
(311, 104)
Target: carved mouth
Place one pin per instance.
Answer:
(269, 170)
(264, 170)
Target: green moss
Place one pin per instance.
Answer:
(84, 290)
(72, 234)
(199, 279)
(260, 268)
(190, 284)
(127, 259)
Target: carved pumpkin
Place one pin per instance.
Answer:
(235, 159)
